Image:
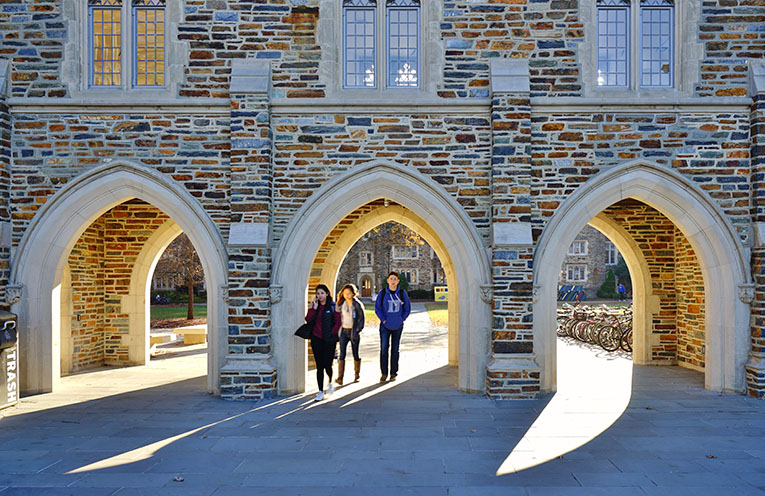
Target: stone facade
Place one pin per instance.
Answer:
(594, 260)
(376, 247)
(253, 133)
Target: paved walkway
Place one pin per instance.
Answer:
(612, 429)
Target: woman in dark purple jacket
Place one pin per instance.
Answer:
(324, 338)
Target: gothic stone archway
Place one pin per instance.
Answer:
(44, 249)
(724, 264)
(437, 210)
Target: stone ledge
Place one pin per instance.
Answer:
(756, 78)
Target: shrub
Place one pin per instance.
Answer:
(421, 294)
(608, 288)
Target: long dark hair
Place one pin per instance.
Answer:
(326, 290)
(341, 296)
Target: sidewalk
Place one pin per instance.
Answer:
(612, 429)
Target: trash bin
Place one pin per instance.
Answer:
(9, 360)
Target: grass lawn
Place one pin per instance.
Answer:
(438, 312)
(177, 312)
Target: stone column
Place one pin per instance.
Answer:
(5, 179)
(755, 368)
(512, 372)
(249, 373)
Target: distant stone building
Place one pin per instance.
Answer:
(390, 247)
(589, 258)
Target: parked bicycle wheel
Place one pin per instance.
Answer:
(626, 340)
(609, 338)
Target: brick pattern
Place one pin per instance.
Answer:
(87, 276)
(5, 194)
(731, 31)
(511, 385)
(247, 386)
(219, 31)
(755, 375)
(655, 234)
(711, 150)
(545, 32)
(101, 264)
(126, 229)
(453, 150)
(51, 149)
(251, 142)
(689, 287)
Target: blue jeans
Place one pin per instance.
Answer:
(388, 336)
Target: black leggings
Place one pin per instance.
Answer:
(323, 354)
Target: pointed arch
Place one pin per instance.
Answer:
(722, 256)
(342, 195)
(38, 262)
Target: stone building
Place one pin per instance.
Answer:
(274, 134)
(588, 259)
(387, 248)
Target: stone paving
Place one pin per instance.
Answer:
(611, 429)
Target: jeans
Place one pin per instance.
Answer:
(345, 338)
(323, 355)
(389, 340)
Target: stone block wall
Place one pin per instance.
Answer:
(87, 275)
(595, 260)
(101, 264)
(655, 235)
(50, 149)
(710, 149)
(452, 149)
(689, 288)
(5, 196)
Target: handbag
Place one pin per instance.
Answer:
(305, 330)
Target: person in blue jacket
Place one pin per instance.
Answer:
(392, 307)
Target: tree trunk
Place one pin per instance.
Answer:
(190, 286)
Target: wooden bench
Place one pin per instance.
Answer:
(192, 334)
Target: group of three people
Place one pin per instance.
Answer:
(344, 322)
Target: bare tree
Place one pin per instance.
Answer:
(181, 263)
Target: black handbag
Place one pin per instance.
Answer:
(305, 330)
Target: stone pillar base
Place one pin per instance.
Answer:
(512, 378)
(248, 378)
(755, 377)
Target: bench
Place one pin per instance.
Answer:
(192, 334)
(161, 337)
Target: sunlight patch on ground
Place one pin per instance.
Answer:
(593, 392)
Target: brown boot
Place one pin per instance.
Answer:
(340, 372)
(356, 370)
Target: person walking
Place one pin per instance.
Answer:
(392, 307)
(622, 292)
(324, 336)
(352, 317)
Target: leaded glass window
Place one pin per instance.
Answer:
(647, 37)
(403, 28)
(656, 43)
(149, 42)
(359, 44)
(613, 39)
(106, 42)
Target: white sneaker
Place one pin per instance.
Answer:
(331, 389)
(319, 396)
